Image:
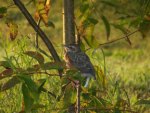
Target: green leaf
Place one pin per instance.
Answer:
(28, 99)
(5, 64)
(3, 11)
(96, 102)
(135, 23)
(144, 27)
(120, 27)
(91, 41)
(86, 96)
(116, 110)
(82, 46)
(110, 3)
(37, 106)
(37, 56)
(84, 8)
(147, 102)
(51, 24)
(29, 2)
(93, 21)
(10, 83)
(41, 83)
(89, 22)
(31, 85)
(69, 96)
(107, 26)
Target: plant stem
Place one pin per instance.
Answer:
(78, 96)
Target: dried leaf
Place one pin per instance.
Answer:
(42, 10)
(13, 30)
(53, 65)
(6, 73)
(51, 24)
(37, 56)
(9, 84)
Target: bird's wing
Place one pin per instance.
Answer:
(82, 62)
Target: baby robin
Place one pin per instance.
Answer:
(75, 57)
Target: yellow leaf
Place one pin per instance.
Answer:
(47, 6)
(36, 16)
(42, 10)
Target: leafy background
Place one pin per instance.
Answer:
(122, 67)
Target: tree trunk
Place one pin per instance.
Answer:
(69, 31)
(68, 23)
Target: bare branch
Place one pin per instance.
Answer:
(78, 96)
(124, 37)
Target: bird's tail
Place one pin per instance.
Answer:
(87, 82)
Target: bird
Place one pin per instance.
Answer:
(76, 58)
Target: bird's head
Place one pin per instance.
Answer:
(72, 48)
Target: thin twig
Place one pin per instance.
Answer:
(11, 5)
(78, 96)
(116, 40)
(36, 37)
(119, 38)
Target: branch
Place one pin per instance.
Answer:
(78, 97)
(39, 31)
(124, 37)
(36, 37)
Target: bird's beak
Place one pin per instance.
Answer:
(66, 48)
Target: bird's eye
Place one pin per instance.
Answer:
(72, 48)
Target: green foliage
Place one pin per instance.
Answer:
(3, 11)
(107, 26)
(147, 102)
(28, 99)
(42, 89)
